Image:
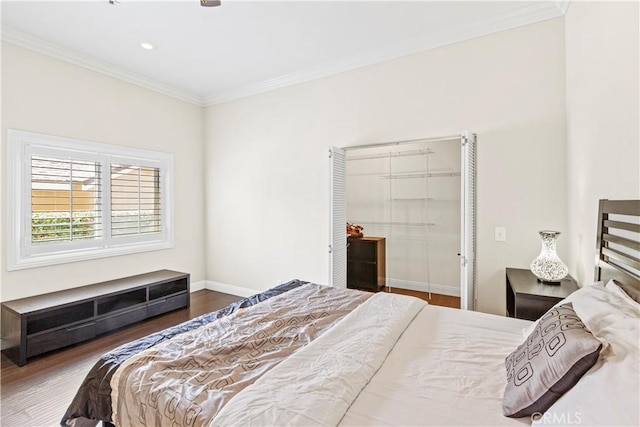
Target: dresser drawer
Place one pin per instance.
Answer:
(362, 275)
(359, 249)
(122, 319)
(532, 307)
(48, 341)
(163, 305)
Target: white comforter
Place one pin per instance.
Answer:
(447, 369)
(317, 384)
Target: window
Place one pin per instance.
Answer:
(65, 200)
(73, 200)
(135, 200)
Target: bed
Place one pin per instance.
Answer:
(307, 354)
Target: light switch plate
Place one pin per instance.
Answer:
(501, 234)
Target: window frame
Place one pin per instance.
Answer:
(22, 254)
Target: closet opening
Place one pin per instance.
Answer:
(416, 202)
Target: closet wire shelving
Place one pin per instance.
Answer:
(391, 176)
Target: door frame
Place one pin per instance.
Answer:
(467, 255)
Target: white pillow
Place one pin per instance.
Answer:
(593, 303)
(614, 288)
(608, 394)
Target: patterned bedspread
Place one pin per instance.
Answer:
(206, 360)
(186, 381)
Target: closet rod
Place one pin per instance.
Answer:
(421, 175)
(392, 154)
(408, 141)
(403, 224)
(418, 239)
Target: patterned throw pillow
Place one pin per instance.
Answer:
(553, 358)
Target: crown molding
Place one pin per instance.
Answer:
(521, 16)
(18, 38)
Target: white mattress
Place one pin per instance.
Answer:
(446, 369)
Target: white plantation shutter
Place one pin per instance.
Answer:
(75, 200)
(136, 207)
(338, 215)
(468, 245)
(66, 199)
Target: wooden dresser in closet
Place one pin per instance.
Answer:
(366, 263)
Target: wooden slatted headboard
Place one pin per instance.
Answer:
(618, 244)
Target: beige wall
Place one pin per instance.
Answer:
(45, 95)
(267, 197)
(551, 142)
(602, 118)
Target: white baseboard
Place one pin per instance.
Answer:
(424, 287)
(229, 289)
(197, 286)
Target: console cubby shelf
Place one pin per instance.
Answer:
(36, 325)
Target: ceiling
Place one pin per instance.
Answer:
(212, 55)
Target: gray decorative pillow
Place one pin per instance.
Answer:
(553, 358)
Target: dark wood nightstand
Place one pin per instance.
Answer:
(529, 299)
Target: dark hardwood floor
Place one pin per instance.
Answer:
(436, 299)
(38, 393)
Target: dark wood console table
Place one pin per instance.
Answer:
(38, 324)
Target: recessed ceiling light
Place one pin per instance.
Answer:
(147, 45)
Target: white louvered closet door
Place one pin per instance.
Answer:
(468, 244)
(338, 219)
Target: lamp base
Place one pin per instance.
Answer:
(544, 282)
